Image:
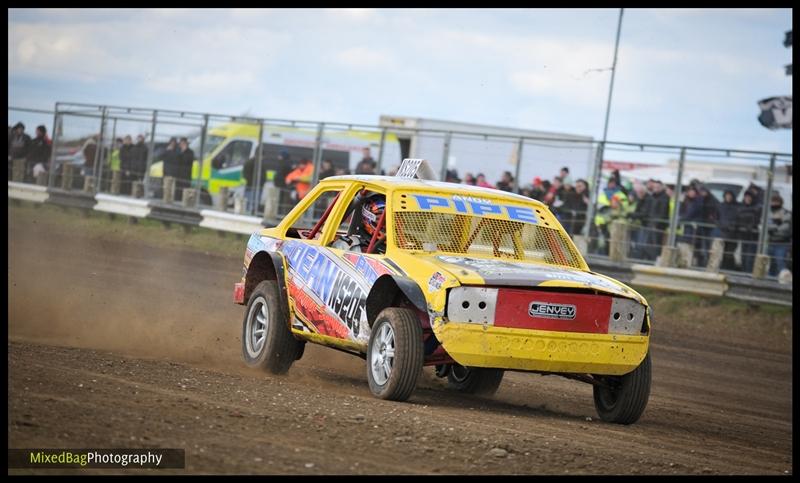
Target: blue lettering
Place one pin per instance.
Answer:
(460, 206)
(484, 208)
(428, 202)
(519, 213)
(326, 281)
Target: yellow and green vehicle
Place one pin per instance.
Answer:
(229, 146)
(470, 280)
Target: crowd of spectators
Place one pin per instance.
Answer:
(647, 208)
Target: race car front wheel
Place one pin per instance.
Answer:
(267, 342)
(394, 354)
(622, 399)
(474, 380)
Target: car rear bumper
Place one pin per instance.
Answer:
(483, 345)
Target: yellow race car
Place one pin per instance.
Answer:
(407, 273)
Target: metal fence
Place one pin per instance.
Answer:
(668, 207)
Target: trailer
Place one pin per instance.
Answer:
(491, 150)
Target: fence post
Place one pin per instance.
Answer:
(715, 255)
(99, 159)
(380, 152)
(618, 240)
(258, 183)
(150, 153)
(111, 151)
(222, 202)
(761, 263)
(518, 166)
(594, 188)
(201, 156)
(446, 154)
(168, 191)
(51, 179)
(116, 181)
(66, 176)
(669, 252)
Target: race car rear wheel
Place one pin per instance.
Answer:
(394, 354)
(474, 380)
(622, 399)
(267, 342)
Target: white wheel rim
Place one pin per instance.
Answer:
(382, 354)
(459, 373)
(257, 325)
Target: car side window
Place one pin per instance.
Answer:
(304, 224)
(236, 153)
(349, 234)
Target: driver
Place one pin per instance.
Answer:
(371, 211)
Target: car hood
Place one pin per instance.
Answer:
(494, 272)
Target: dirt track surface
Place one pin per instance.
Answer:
(116, 344)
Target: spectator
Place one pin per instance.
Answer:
(612, 187)
(367, 165)
(691, 213)
(300, 178)
(779, 232)
(639, 234)
(285, 166)
(506, 182)
(139, 159)
(537, 189)
(557, 189)
(574, 208)
(469, 179)
(564, 175)
(707, 223)
(185, 165)
(480, 180)
(747, 219)
(451, 176)
(758, 194)
(171, 159)
(657, 220)
(18, 146)
(39, 154)
(127, 153)
(249, 175)
(89, 151)
(726, 228)
(326, 169)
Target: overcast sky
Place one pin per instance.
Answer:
(683, 76)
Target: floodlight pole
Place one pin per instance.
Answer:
(598, 167)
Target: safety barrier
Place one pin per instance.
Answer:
(666, 278)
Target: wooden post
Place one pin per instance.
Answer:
(169, 189)
(137, 189)
(715, 255)
(18, 170)
(116, 182)
(189, 197)
(88, 184)
(66, 177)
(222, 201)
(618, 243)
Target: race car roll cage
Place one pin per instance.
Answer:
(360, 198)
(354, 208)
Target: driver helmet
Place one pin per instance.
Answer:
(371, 212)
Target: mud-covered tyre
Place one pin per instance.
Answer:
(625, 403)
(267, 342)
(474, 380)
(394, 354)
